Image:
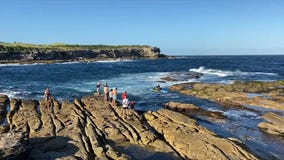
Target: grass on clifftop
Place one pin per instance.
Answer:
(22, 47)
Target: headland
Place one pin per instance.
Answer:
(58, 52)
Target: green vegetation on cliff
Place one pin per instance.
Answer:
(15, 52)
(24, 47)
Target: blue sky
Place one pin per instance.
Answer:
(183, 27)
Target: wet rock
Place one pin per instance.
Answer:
(182, 76)
(275, 124)
(236, 94)
(193, 110)
(4, 100)
(192, 141)
(168, 78)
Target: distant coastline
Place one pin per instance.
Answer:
(57, 53)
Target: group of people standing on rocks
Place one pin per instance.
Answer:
(111, 95)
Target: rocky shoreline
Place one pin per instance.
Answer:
(244, 96)
(26, 54)
(239, 94)
(90, 128)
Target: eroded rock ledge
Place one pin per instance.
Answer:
(192, 141)
(92, 129)
(193, 110)
(274, 124)
(239, 94)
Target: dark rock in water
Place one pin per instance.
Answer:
(193, 110)
(182, 76)
(168, 78)
(275, 124)
(13, 145)
(4, 100)
(161, 81)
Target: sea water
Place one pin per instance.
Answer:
(74, 80)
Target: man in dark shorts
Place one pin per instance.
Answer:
(98, 88)
(125, 104)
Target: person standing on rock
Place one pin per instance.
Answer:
(123, 95)
(110, 95)
(106, 92)
(114, 97)
(98, 88)
(47, 94)
(49, 100)
(125, 104)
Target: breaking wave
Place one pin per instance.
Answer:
(238, 114)
(116, 60)
(223, 73)
(19, 64)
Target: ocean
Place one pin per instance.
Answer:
(76, 79)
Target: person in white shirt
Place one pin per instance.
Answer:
(125, 104)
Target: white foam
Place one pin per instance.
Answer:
(72, 62)
(18, 64)
(10, 93)
(214, 110)
(223, 73)
(226, 81)
(116, 60)
(181, 57)
(15, 93)
(237, 114)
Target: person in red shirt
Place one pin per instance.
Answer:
(123, 95)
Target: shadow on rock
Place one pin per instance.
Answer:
(51, 148)
(17, 147)
(146, 153)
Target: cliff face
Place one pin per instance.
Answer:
(29, 54)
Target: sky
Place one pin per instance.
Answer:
(178, 27)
